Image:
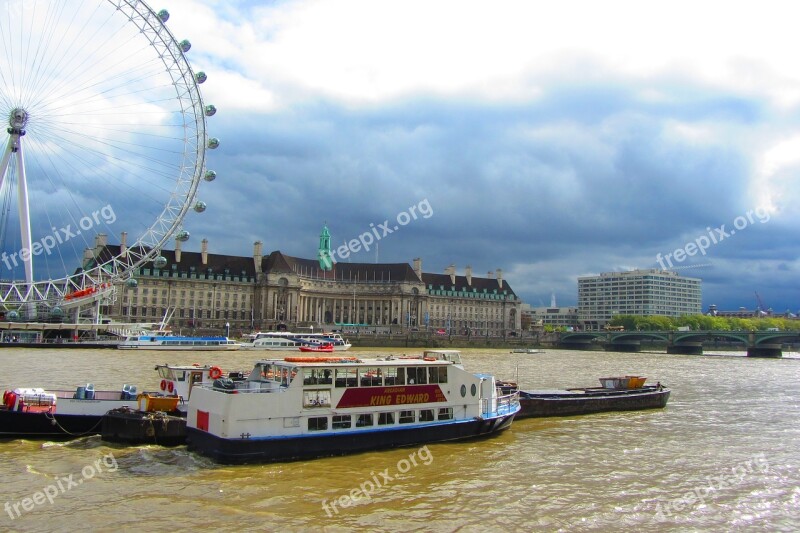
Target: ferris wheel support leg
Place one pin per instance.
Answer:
(12, 142)
(26, 253)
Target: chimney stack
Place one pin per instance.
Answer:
(177, 251)
(258, 253)
(123, 242)
(468, 274)
(500, 277)
(204, 251)
(452, 271)
(418, 267)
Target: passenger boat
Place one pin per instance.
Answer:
(327, 347)
(147, 341)
(287, 340)
(36, 413)
(527, 350)
(306, 407)
(616, 394)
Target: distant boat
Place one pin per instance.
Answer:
(526, 350)
(287, 340)
(177, 342)
(318, 348)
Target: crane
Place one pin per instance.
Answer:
(761, 309)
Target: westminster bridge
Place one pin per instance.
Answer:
(758, 343)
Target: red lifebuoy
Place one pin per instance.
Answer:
(170, 386)
(5, 396)
(215, 372)
(163, 384)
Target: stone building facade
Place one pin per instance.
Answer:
(205, 292)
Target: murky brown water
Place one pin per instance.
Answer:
(724, 455)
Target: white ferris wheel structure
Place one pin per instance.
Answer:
(105, 137)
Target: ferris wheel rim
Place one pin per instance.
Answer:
(146, 246)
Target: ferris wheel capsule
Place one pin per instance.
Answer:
(160, 261)
(213, 143)
(12, 315)
(185, 45)
(131, 283)
(200, 77)
(163, 15)
(211, 110)
(200, 206)
(182, 236)
(210, 175)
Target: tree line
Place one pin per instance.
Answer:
(702, 323)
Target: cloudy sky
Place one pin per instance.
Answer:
(549, 139)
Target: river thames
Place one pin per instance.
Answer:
(724, 455)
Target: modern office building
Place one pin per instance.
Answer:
(638, 292)
(557, 317)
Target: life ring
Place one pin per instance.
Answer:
(429, 359)
(163, 384)
(170, 386)
(215, 372)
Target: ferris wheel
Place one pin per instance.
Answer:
(105, 142)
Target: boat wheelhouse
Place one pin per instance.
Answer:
(305, 407)
(176, 342)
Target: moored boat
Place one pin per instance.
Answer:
(287, 340)
(327, 347)
(616, 395)
(36, 413)
(296, 408)
(147, 341)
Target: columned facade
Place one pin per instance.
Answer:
(208, 291)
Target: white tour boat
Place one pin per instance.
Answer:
(305, 407)
(148, 341)
(287, 340)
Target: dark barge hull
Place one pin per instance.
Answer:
(28, 425)
(126, 426)
(546, 404)
(266, 450)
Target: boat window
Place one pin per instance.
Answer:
(371, 377)
(426, 415)
(341, 422)
(446, 413)
(317, 376)
(197, 377)
(390, 376)
(268, 371)
(364, 420)
(318, 423)
(385, 419)
(437, 374)
(181, 376)
(416, 375)
(346, 377)
(406, 417)
(401, 376)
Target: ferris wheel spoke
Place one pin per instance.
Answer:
(114, 116)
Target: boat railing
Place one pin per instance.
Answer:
(505, 405)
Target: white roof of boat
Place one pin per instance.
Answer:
(345, 361)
